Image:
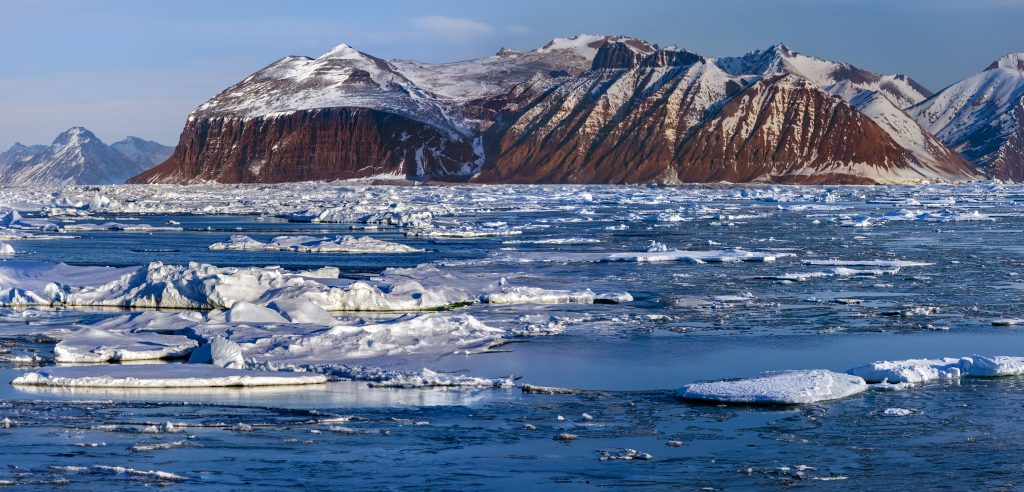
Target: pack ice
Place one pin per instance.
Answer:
(203, 286)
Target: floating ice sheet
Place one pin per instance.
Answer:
(309, 244)
(793, 387)
(160, 376)
(94, 345)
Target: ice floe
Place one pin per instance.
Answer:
(309, 244)
(868, 263)
(833, 272)
(925, 370)
(160, 376)
(791, 387)
(203, 286)
(93, 345)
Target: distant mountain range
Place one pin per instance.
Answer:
(77, 156)
(599, 109)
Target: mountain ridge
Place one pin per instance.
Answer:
(497, 119)
(77, 156)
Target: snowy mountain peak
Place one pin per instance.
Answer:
(781, 49)
(74, 136)
(344, 51)
(1012, 61)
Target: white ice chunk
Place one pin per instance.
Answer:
(977, 366)
(792, 387)
(908, 371)
(160, 376)
(924, 370)
(220, 352)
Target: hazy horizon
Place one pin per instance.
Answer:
(123, 68)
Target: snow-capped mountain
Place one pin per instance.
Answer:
(583, 109)
(982, 117)
(146, 153)
(838, 78)
(347, 114)
(674, 116)
(76, 156)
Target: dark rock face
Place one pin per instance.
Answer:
(781, 128)
(616, 55)
(322, 144)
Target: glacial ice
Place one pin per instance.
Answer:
(160, 376)
(786, 388)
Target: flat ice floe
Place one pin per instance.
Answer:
(868, 263)
(93, 345)
(656, 253)
(944, 215)
(309, 244)
(833, 272)
(533, 295)
(924, 370)
(467, 231)
(160, 376)
(786, 388)
(117, 226)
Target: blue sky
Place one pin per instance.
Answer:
(139, 67)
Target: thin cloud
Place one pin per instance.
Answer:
(453, 27)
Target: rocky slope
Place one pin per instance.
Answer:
(595, 109)
(674, 116)
(77, 156)
(982, 117)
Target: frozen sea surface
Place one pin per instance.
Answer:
(749, 281)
